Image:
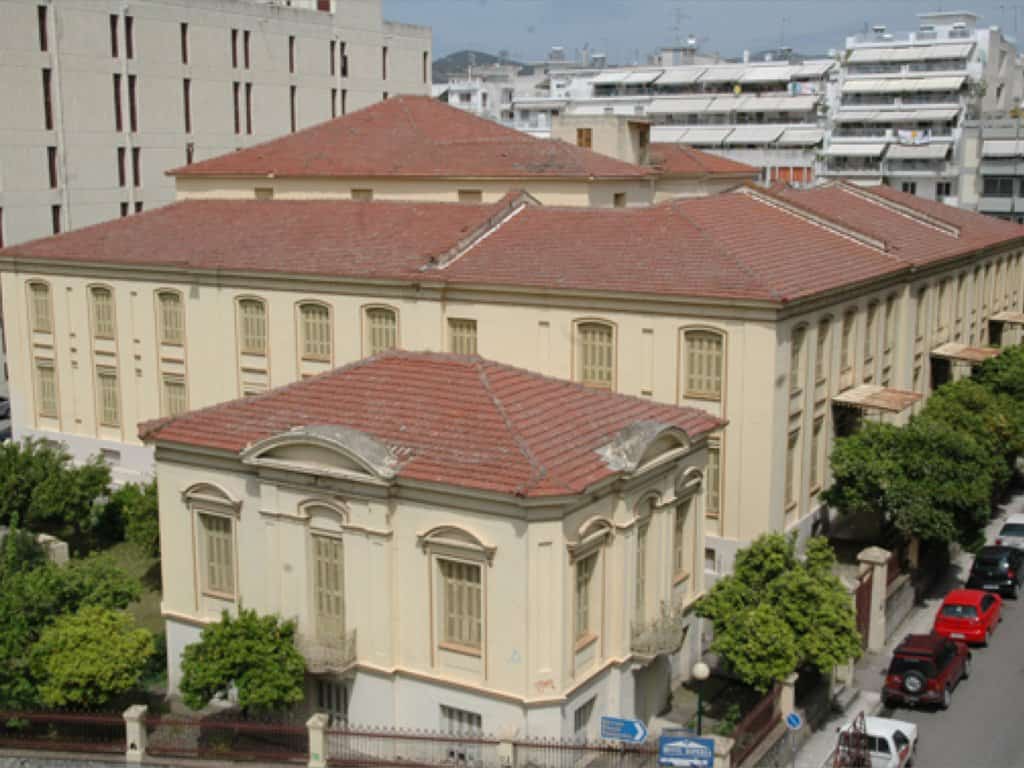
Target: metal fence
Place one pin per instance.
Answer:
(63, 731)
(755, 726)
(226, 739)
(560, 754)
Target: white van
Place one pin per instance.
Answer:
(1012, 532)
(888, 743)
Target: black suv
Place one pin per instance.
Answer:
(924, 670)
(997, 569)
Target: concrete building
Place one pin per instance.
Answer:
(103, 97)
(465, 546)
(899, 112)
(779, 311)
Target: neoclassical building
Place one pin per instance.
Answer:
(783, 312)
(464, 545)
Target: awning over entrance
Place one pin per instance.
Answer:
(1008, 316)
(961, 353)
(873, 397)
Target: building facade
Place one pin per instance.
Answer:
(110, 96)
(459, 555)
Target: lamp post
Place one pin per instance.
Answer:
(700, 673)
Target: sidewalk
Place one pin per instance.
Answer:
(869, 675)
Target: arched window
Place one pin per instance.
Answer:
(595, 354)
(381, 330)
(822, 353)
(252, 326)
(796, 360)
(315, 331)
(102, 312)
(170, 317)
(703, 374)
(40, 309)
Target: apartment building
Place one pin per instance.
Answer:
(465, 546)
(899, 112)
(723, 303)
(104, 96)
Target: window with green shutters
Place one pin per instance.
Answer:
(175, 399)
(461, 603)
(584, 575)
(315, 330)
(217, 554)
(252, 326)
(40, 308)
(102, 312)
(462, 336)
(108, 397)
(172, 318)
(596, 352)
(329, 586)
(703, 365)
(46, 389)
(381, 330)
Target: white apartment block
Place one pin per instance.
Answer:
(898, 114)
(110, 94)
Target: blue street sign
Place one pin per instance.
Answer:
(621, 729)
(686, 752)
(794, 722)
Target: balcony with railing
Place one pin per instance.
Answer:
(663, 634)
(328, 653)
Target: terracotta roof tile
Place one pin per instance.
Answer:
(459, 421)
(414, 136)
(682, 160)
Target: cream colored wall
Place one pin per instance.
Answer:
(555, 192)
(536, 335)
(391, 589)
(671, 188)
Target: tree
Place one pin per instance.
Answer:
(253, 654)
(776, 612)
(23, 467)
(1004, 374)
(90, 657)
(137, 506)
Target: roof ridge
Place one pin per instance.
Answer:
(927, 219)
(539, 470)
(726, 253)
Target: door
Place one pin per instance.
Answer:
(329, 588)
(989, 612)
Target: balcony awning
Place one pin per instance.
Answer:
(680, 106)
(931, 52)
(755, 134)
(726, 103)
(875, 398)
(918, 151)
(813, 68)
(611, 78)
(681, 75)
(702, 136)
(766, 75)
(777, 104)
(1009, 316)
(722, 74)
(801, 137)
(901, 116)
(903, 84)
(855, 150)
(642, 78)
(1002, 148)
(961, 353)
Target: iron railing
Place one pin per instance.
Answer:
(328, 654)
(63, 731)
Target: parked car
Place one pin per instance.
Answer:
(886, 742)
(1012, 532)
(5, 408)
(997, 569)
(925, 669)
(968, 615)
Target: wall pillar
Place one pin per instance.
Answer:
(876, 559)
(317, 729)
(787, 697)
(723, 751)
(135, 733)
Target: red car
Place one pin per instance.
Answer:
(969, 615)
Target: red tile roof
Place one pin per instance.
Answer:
(414, 136)
(458, 421)
(772, 246)
(681, 160)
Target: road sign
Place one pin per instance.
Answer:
(794, 722)
(686, 752)
(623, 729)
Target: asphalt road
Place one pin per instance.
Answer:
(983, 726)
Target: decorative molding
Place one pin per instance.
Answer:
(209, 493)
(457, 539)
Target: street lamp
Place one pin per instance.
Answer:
(700, 672)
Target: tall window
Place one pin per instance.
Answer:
(236, 90)
(292, 91)
(113, 36)
(889, 329)
(792, 446)
(118, 120)
(184, 42)
(40, 311)
(47, 100)
(796, 361)
(107, 397)
(174, 396)
(869, 332)
(133, 105)
(596, 354)
(246, 48)
(248, 108)
(919, 314)
(816, 452)
(846, 348)
(102, 312)
(462, 603)
(51, 163)
(44, 43)
(46, 389)
(234, 49)
(703, 375)
(129, 37)
(384, 63)
(252, 326)
(713, 482)
(186, 96)
(329, 586)
(333, 47)
(940, 308)
(462, 336)
(137, 166)
(291, 54)
(315, 330)
(961, 306)
(381, 330)
(217, 554)
(679, 539)
(584, 575)
(822, 363)
(640, 596)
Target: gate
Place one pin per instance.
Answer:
(863, 602)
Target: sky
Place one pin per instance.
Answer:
(629, 29)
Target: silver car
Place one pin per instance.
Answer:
(1012, 532)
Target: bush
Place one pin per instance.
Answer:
(253, 654)
(136, 505)
(90, 657)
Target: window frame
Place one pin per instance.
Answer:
(40, 363)
(340, 620)
(822, 351)
(244, 348)
(584, 568)
(461, 336)
(848, 341)
(95, 319)
(167, 380)
(580, 365)
(304, 339)
(713, 480)
(797, 342)
(719, 377)
(101, 373)
(161, 317)
(459, 642)
(34, 316)
(201, 512)
(366, 313)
